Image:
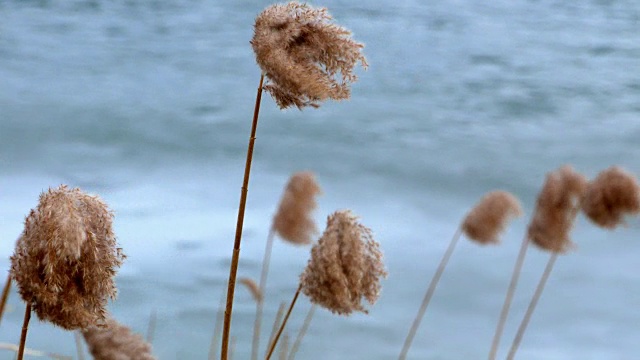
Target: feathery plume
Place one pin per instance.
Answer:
(345, 266)
(610, 196)
(115, 341)
(556, 208)
(66, 258)
(293, 221)
(489, 217)
(252, 287)
(301, 52)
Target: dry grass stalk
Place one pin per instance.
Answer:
(77, 337)
(5, 296)
(613, 194)
(489, 217)
(274, 342)
(306, 58)
(345, 266)
(277, 321)
(114, 341)
(302, 332)
(23, 334)
(284, 347)
(293, 220)
(556, 208)
(66, 259)
(215, 337)
(252, 287)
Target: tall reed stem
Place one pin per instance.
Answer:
(5, 296)
(233, 269)
(23, 335)
(429, 294)
(303, 331)
(504, 313)
(532, 306)
(284, 322)
(255, 345)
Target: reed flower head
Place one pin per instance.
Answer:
(556, 209)
(115, 341)
(610, 196)
(293, 221)
(345, 266)
(253, 288)
(489, 217)
(66, 258)
(306, 58)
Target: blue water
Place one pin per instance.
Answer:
(149, 103)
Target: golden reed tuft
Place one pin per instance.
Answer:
(301, 52)
(556, 208)
(293, 220)
(610, 196)
(489, 217)
(66, 258)
(115, 341)
(345, 266)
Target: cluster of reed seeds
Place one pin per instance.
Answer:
(66, 258)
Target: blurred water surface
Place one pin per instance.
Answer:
(149, 103)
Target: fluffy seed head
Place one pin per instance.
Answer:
(66, 258)
(345, 266)
(613, 194)
(489, 217)
(556, 209)
(293, 221)
(115, 341)
(305, 57)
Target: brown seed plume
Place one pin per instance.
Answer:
(305, 57)
(115, 341)
(293, 221)
(345, 266)
(66, 258)
(613, 194)
(489, 217)
(252, 287)
(556, 209)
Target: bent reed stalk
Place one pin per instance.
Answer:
(235, 258)
(504, 313)
(284, 322)
(429, 294)
(532, 306)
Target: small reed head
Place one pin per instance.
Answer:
(345, 266)
(253, 288)
(66, 258)
(301, 53)
(556, 208)
(613, 194)
(114, 341)
(293, 221)
(489, 217)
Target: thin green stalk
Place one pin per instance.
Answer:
(235, 257)
(23, 335)
(429, 294)
(532, 306)
(303, 331)
(504, 313)
(255, 345)
(284, 322)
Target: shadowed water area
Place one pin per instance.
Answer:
(149, 104)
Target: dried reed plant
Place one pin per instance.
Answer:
(302, 332)
(294, 223)
(302, 53)
(483, 225)
(253, 288)
(114, 341)
(605, 200)
(344, 270)
(66, 259)
(6, 289)
(556, 208)
(613, 194)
